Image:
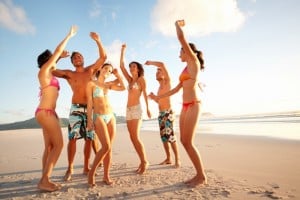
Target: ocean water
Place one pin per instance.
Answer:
(279, 125)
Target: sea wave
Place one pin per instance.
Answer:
(277, 125)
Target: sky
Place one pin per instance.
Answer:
(251, 50)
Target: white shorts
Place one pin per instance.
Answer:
(134, 112)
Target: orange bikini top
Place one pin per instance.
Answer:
(184, 75)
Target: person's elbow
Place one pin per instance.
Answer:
(57, 74)
(104, 56)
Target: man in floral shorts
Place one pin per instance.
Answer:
(166, 117)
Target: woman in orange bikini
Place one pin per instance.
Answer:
(189, 115)
(45, 113)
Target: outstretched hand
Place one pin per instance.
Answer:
(180, 22)
(94, 36)
(73, 30)
(114, 71)
(153, 97)
(64, 54)
(148, 62)
(89, 126)
(149, 114)
(123, 47)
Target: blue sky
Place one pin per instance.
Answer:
(251, 49)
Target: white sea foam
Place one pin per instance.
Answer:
(279, 125)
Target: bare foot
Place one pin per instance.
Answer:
(191, 180)
(91, 180)
(48, 187)
(92, 185)
(196, 181)
(68, 175)
(87, 172)
(108, 181)
(177, 164)
(142, 168)
(58, 185)
(166, 162)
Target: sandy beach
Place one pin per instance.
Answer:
(237, 167)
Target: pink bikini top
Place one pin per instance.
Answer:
(54, 83)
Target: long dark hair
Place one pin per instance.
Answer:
(44, 57)
(140, 68)
(199, 55)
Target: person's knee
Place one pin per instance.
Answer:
(61, 145)
(58, 146)
(106, 147)
(95, 145)
(185, 142)
(134, 137)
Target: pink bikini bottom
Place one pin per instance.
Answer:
(48, 111)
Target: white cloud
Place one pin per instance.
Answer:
(151, 44)
(100, 9)
(96, 9)
(113, 15)
(113, 52)
(202, 16)
(14, 18)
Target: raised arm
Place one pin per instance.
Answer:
(63, 54)
(62, 73)
(59, 50)
(102, 53)
(118, 83)
(181, 37)
(122, 65)
(160, 65)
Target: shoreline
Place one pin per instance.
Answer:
(237, 167)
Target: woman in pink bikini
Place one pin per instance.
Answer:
(190, 112)
(45, 113)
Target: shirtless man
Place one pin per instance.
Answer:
(78, 80)
(165, 118)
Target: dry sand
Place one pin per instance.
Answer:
(237, 167)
